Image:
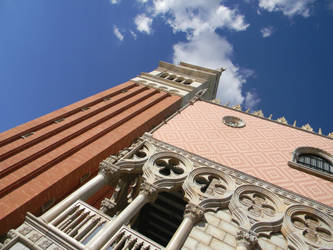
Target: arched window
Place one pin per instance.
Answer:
(171, 77)
(314, 161)
(164, 74)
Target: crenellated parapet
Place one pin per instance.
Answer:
(282, 120)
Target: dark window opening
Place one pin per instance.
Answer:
(316, 162)
(159, 221)
(85, 108)
(27, 135)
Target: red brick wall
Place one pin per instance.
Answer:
(49, 164)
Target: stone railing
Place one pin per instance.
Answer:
(126, 238)
(80, 221)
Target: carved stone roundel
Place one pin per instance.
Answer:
(257, 203)
(166, 166)
(309, 225)
(207, 183)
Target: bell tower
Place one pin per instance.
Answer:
(184, 80)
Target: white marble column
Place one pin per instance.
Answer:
(83, 193)
(123, 218)
(193, 214)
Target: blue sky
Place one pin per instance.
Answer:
(278, 53)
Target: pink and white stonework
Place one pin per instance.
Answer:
(262, 148)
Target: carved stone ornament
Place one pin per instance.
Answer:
(125, 191)
(307, 127)
(166, 171)
(282, 120)
(233, 121)
(247, 239)
(195, 213)
(237, 107)
(258, 113)
(208, 188)
(256, 209)
(149, 190)
(129, 161)
(307, 228)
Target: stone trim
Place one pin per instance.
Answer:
(287, 196)
(315, 151)
(267, 119)
(309, 170)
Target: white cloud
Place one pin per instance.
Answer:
(197, 15)
(200, 19)
(143, 23)
(267, 31)
(133, 34)
(115, 1)
(117, 33)
(288, 7)
(251, 100)
(212, 51)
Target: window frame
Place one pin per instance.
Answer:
(314, 152)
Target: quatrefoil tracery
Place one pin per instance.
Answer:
(257, 204)
(312, 227)
(169, 166)
(208, 188)
(307, 228)
(166, 170)
(210, 184)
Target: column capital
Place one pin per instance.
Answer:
(194, 212)
(107, 204)
(149, 190)
(108, 169)
(246, 239)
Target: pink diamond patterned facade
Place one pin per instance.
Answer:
(262, 148)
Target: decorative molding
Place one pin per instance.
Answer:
(256, 209)
(246, 239)
(233, 121)
(237, 107)
(166, 171)
(128, 161)
(329, 136)
(258, 113)
(307, 127)
(208, 188)
(241, 178)
(282, 120)
(307, 228)
(194, 212)
(122, 195)
(311, 150)
(309, 170)
(149, 190)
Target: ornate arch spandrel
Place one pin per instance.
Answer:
(307, 228)
(165, 171)
(257, 209)
(208, 188)
(122, 170)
